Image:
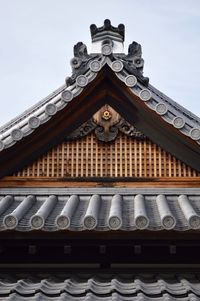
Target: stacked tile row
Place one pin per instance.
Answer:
(165, 288)
(99, 212)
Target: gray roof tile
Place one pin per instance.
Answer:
(102, 287)
(103, 210)
(31, 119)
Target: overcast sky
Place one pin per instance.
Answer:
(37, 38)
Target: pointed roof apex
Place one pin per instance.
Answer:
(111, 67)
(98, 33)
(107, 34)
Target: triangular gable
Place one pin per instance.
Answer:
(106, 146)
(105, 77)
(106, 122)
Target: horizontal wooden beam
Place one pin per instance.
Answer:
(11, 182)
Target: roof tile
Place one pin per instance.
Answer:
(100, 211)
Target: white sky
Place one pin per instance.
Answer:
(37, 38)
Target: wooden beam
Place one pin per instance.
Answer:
(11, 182)
(105, 89)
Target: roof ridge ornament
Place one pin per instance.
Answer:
(107, 38)
(128, 68)
(118, 32)
(107, 41)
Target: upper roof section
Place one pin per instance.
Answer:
(106, 76)
(109, 35)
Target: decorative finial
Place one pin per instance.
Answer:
(107, 40)
(114, 32)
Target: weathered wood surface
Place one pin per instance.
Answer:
(124, 157)
(9, 182)
(105, 89)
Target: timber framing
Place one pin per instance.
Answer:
(105, 89)
(101, 176)
(12, 182)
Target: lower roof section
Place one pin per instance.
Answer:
(99, 209)
(105, 287)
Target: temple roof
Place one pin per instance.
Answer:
(102, 287)
(78, 209)
(85, 68)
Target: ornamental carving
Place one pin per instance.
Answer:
(79, 63)
(129, 129)
(133, 62)
(106, 124)
(83, 130)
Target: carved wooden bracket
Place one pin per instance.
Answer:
(106, 123)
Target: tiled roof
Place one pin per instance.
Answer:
(85, 68)
(102, 287)
(99, 209)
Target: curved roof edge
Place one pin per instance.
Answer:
(85, 67)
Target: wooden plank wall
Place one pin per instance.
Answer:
(124, 157)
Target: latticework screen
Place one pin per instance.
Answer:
(124, 157)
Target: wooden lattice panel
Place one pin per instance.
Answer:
(124, 157)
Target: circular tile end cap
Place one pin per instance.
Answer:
(75, 62)
(95, 66)
(161, 108)
(115, 222)
(142, 222)
(195, 134)
(145, 94)
(17, 134)
(51, 109)
(67, 96)
(10, 221)
(194, 222)
(90, 222)
(138, 62)
(178, 122)
(117, 66)
(106, 49)
(168, 222)
(37, 222)
(1, 145)
(62, 222)
(130, 81)
(81, 81)
(34, 122)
